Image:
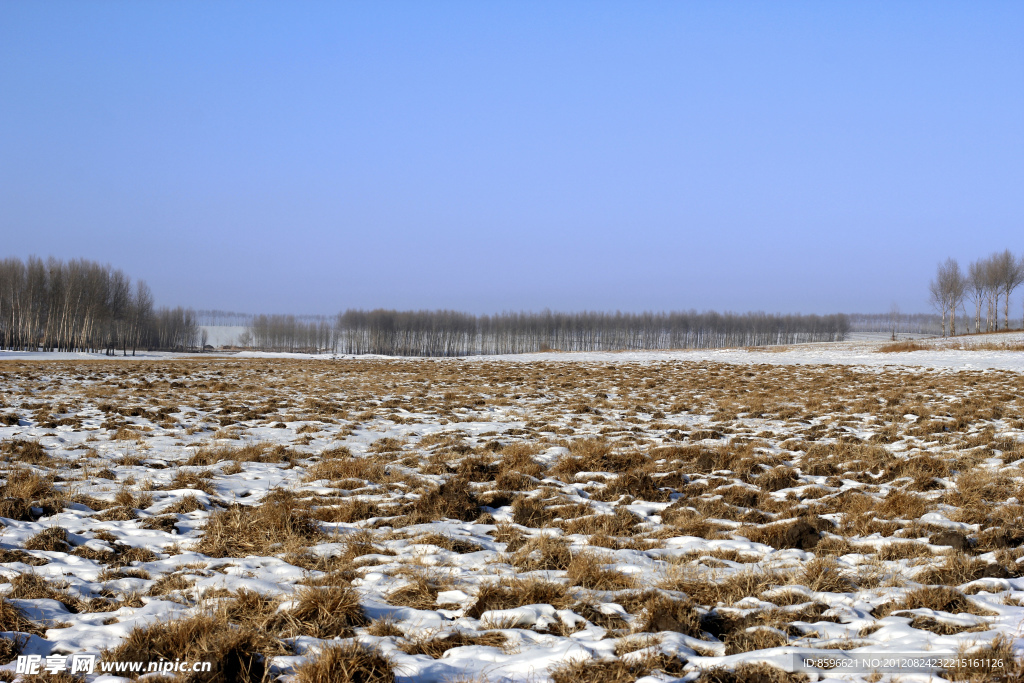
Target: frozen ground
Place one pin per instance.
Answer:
(565, 517)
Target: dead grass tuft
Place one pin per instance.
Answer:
(435, 645)
(280, 523)
(451, 500)
(902, 347)
(937, 598)
(512, 593)
(750, 673)
(589, 570)
(54, 539)
(11, 619)
(237, 653)
(347, 663)
(626, 670)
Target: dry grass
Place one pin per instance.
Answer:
(512, 593)
(11, 619)
(237, 653)
(903, 347)
(616, 671)
(751, 673)
(766, 453)
(937, 598)
(349, 663)
(590, 570)
(280, 523)
(435, 645)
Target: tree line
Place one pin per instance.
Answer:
(896, 321)
(81, 305)
(985, 283)
(453, 333)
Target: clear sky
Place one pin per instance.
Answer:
(312, 156)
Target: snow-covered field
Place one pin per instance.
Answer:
(698, 515)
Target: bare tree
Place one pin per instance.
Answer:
(894, 319)
(991, 295)
(1020, 267)
(975, 290)
(956, 287)
(1010, 274)
(946, 292)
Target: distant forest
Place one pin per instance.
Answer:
(81, 305)
(450, 333)
(895, 322)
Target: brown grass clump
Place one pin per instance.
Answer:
(454, 544)
(383, 628)
(542, 552)
(59, 677)
(251, 452)
(348, 511)
(327, 612)
(250, 609)
(340, 465)
(959, 568)
(512, 593)
(899, 504)
(903, 551)
(824, 574)
(756, 638)
(804, 533)
(436, 645)
(25, 489)
(281, 522)
(778, 478)
(596, 455)
(29, 452)
(21, 556)
(36, 587)
(687, 522)
(639, 485)
(348, 663)
(711, 590)
(420, 593)
(11, 619)
(995, 661)
(616, 671)
(750, 673)
(663, 613)
(937, 598)
(531, 512)
(54, 539)
(200, 481)
(902, 347)
(517, 459)
(453, 499)
(171, 583)
(184, 506)
(237, 653)
(10, 648)
(129, 499)
(587, 569)
(117, 513)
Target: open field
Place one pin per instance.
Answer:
(600, 517)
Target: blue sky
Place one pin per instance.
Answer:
(314, 156)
